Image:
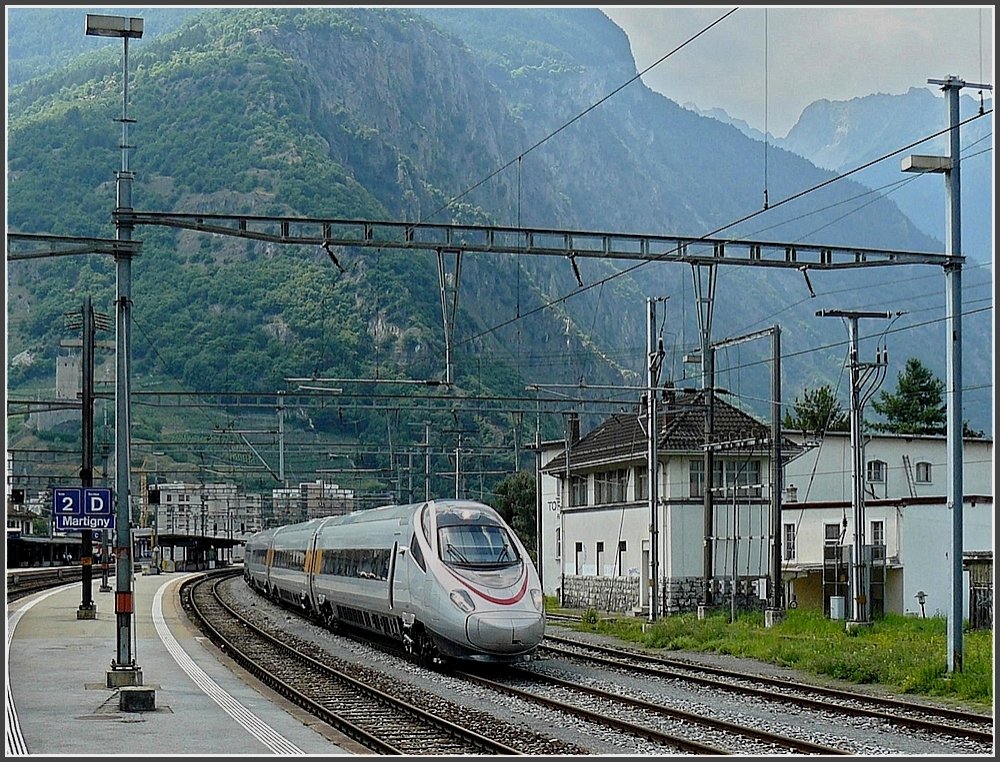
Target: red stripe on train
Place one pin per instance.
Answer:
(500, 601)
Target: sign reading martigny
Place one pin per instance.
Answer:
(79, 508)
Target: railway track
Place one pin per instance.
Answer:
(364, 704)
(24, 582)
(934, 721)
(627, 696)
(673, 728)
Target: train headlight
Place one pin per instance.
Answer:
(537, 599)
(463, 600)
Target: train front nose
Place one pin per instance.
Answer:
(505, 633)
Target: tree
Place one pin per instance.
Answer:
(819, 411)
(917, 406)
(514, 499)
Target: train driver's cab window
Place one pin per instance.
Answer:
(477, 545)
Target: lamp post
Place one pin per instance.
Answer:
(105, 535)
(157, 555)
(950, 166)
(654, 361)
(124, 670)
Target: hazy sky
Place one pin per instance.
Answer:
(813, 52)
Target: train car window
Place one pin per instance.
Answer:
(418, 555)
(477, 545)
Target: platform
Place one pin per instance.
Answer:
(58, 701)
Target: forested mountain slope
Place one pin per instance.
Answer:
(465, 115)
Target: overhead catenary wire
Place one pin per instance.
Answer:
(788, 199)
(579, 116)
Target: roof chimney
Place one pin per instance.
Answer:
(574, 428)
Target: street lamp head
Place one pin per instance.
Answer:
(113, 26)
(918, 163)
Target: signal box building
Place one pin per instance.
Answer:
(595, 523)
(596, 519)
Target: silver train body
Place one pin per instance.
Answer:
(448, 579)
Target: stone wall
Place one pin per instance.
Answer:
(682, 594)
(617, 594)
(678, 594)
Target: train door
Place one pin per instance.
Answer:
(312, 566)
(314, 563)
(399, 571)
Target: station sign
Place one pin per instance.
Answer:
(79, 508)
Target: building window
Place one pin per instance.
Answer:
(876, 471)
(600, 558)
(578, 490)
(641, 482)
(696, 472)
(878, 539)
(620, 561)
(609, 486)
(923, 473)
(579, 557)
(831, 534)
(558, 542)
(744, 475)
(789, 542)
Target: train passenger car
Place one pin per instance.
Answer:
(448, 579)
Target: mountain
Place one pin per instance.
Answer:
(843, 135)
(721, 115)
(465, 115)
(683, 160)
(49, 38)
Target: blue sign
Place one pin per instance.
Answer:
(79, 508)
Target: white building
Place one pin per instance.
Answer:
(596, 537)
(311, 500)
(595, 523)
(203, 509)
(905, 514)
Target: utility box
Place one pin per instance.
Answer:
(136, 698)
(837, 606)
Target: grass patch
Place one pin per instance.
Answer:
(904, 654)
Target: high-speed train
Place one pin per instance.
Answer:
(448, 579)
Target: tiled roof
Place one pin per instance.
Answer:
(680, 426)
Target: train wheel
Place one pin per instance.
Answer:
(330, 620)
(422, 649)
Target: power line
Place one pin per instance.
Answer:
(632, 268)
(580, 115)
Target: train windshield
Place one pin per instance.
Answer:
(477, 545)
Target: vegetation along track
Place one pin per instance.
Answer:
(936, 721)
(366, 705)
